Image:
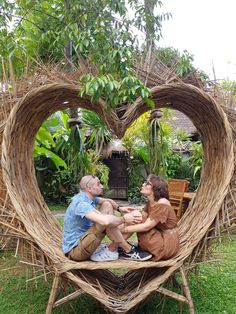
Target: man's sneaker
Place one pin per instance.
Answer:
(100, 248)
(104, 255)
(135, 254)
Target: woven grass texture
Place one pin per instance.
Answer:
(25, 215)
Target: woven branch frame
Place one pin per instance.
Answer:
(41, 227)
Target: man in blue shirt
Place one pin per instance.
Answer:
(85, 226)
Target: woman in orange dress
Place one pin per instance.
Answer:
(157, 233)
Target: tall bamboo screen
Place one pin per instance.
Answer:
(25, 215)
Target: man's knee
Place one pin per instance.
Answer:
(106, 208)
(99, 228)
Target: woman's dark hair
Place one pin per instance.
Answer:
(159, 186)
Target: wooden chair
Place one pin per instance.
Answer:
(177, 187)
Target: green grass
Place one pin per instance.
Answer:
(61, 220)
(213, 289)
(58, 207)
(18, 296)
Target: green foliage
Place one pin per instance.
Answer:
(196, 158)
(97, 168)
(61, 158)
(42, 151)
(63, 155)
(113, 91)
(188, 168)
(97, 132)
(137, 134)
(171, 57)
(159, 147)
(57, 156)
(137, 174)
(136, 141)
(43, 145)
(99, 30)
(174, 162)
(149, 144)
(183, 169)
(156, 153)
(229, 88)
(151, 141)
(185, 66)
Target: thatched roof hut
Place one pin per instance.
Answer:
(181, 121)
(115, 146)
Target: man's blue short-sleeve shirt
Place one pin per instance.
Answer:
(75, 222)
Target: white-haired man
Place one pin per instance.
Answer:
(85, 226)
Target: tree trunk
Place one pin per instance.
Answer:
(149, 27)
(69, 63)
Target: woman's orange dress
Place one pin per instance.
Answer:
(160, 241)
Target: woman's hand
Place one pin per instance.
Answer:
(134, 217)
(126, 209)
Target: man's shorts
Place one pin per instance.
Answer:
(88, 243)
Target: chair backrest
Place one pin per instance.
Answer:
(177, 187)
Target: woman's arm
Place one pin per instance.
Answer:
(145, 226)
(111, 220)
(144, 215)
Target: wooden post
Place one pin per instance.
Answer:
(187, 290)
(53, 293)
(185, 297)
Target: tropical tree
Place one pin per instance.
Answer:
(97, 133)
(160, 138)
(102, 31)
(153, 22)
(62, 156)
(150, 144)
(58, 154)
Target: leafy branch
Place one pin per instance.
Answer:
(114, 92)
(21, 18)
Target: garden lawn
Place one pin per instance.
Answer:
(58, 207)
(213, 289)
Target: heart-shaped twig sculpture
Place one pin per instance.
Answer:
(116, 293)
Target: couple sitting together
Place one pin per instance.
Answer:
(89, 218)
